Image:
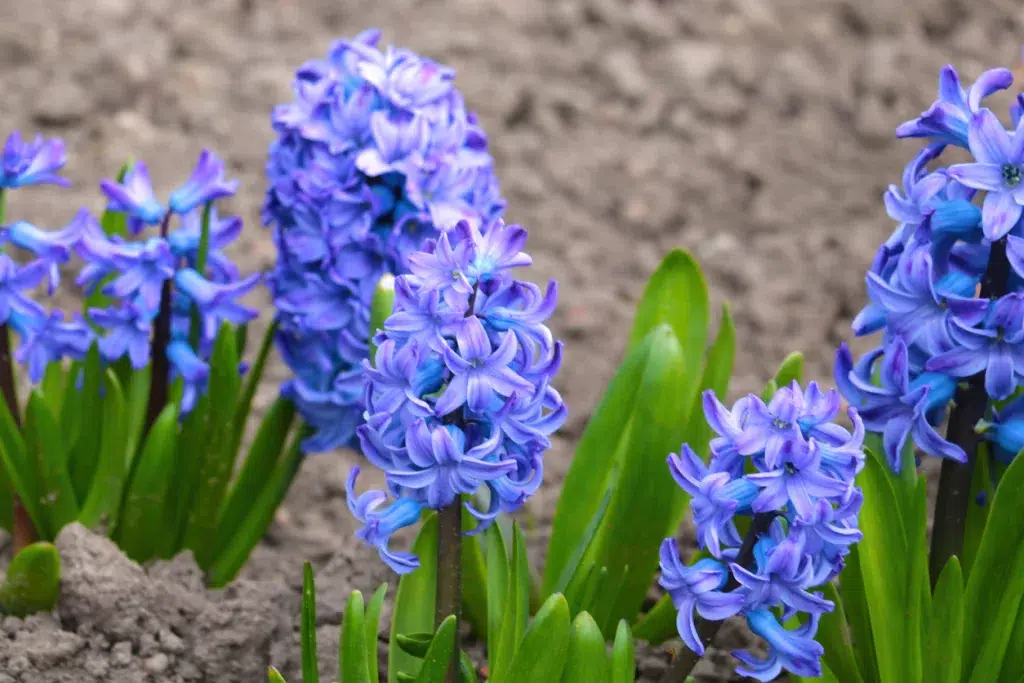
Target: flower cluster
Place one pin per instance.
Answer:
(947, 288)
(459, 396)
(791, 469)
(133, 273)
(375, 155)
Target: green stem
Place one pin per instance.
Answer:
(970, 404)
(449, 575)
(202, 255)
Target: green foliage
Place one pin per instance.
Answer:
(32, 582)
(414, 601)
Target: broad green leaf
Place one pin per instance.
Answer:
(274, 676)
(826, 677)
(381, 306)
(57, 494)
(415, 644)
(1013, 663)
(474, 579)
(592, 465)
(571, 568)
(32, 583)
(623, 662)
(717, 372)
(136, 398)
(516, 608)
(144, 516)
(52, 386)
(659, 624)
(252, 381)
(497, 589)
(108, 482)
(217, 459)
(977, 512)
(597, 584)
(372, 626)
(307, 629)
(414, 601)
(542, 653)
(792, 369)
(185, 478)
(467, 668)
(769, 390)
(992, 580)
(885, 564)
(439, 655)
(919, 590)
(6, 502)
(647, 504)
(995, 639)
(855, 603)
(675, 295)
(21, 470)
(84, 452)
(587, 661)
(944, 645)
(260, 462)
(231, 557)
(835, 638)
(352, 665)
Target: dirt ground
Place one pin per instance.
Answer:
(755, 134)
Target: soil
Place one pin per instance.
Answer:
(757, 135)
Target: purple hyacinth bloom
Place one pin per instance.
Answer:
(54, 247)
(715, 498)
(135, 197)
(479, 371)
(998, 169)
(793, 650)
(768, 428)
(216, 302)
(1006, 430)
(184, 242)
(381, 524)
(403, 77)
(204, 185)
(827, 534)
(128, 333)
(915, 203)
(144, 268)
(916, 310)
(696, 588)
(400, 379)
(420, 316)
(48, 338)
(795, 479)
(14, 280)
(32, 163)
(948, 119)
(500, 249)
(185, 363)
(441, 467)
(994, 349)
(782, 576)
(443, 269)
(897, 407)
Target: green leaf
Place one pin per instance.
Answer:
(136, 398)
(884, 562)
(497, 589)
(1013, 662)
(144, 517)
(21, 470)
(252, 382)
(217, 459)
(274, 676)
(596, 584)
(659, 624)
(83, 453)
(232, 557)
(919, 590)
(57, 493)
(993, 583)
(381, 306)
(855, 602)
(944, 645)
(6, 500)
(995, 639)
(373, 629)
(542, 653)
(52, 386)
(717, 372)
(587, 661)
(257, 471)
(439, 655)
(769, 390)
(597, 454)
(415, 644)
(108, 482)
(792, 369)
(414, 601)
(623, 655)
(647, 505)
(184, 478)
(977, 515)
(677, 295)
(835, 638)
(32, 583)
(307, 629)
(516, 608)
(474, 579)
(467, 668)
(352, 665)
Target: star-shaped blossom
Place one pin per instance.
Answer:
(949, 118)
(381, 523)
(128, 330)
(793, 650)
(48, 338)
(216, 302)
(135, 197)
(32, 163)
(204, 185)
(14, 281)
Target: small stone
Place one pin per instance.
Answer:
(96, 665)
(626, 74)
(12, 625)
(121, 653)
(4, 678)
(157, 664)
(147, 645)
(18, 664)
(170, 642)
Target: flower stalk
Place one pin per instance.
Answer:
(449, 575)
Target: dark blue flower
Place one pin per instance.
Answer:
(128, 333)
(204, 185)
(49, 338)
(53, 247)
(795, 479)
(192, 369)
(784, 572)
(14, 281)
(696, 588)
(381, 524)
(32, 163)
(216, 302)
(1006, 430)
(143, 266)
(793, 650)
